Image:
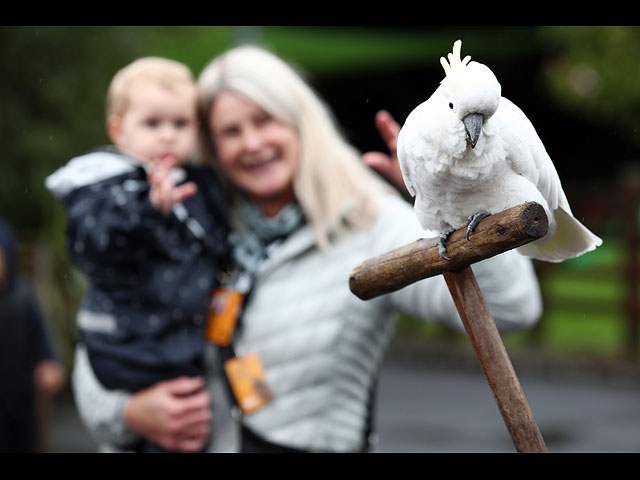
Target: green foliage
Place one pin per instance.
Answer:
(594, 71)
(586, 302)
(327, 51)
(53, 92)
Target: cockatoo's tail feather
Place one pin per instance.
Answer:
(570, 239)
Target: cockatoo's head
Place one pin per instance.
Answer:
(472, 92)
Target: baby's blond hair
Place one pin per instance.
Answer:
(162, 71)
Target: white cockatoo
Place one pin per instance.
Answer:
(467, 152)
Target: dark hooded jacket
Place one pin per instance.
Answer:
(151, 275)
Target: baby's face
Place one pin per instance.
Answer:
(158, 123)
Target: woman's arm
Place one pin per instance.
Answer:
(101, 410)
(508, 283)
(174, 414)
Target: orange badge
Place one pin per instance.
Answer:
(248, 382)
(223, 315)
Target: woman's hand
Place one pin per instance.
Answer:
(174, 414)
(387, 164)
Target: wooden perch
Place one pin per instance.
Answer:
(495, 234)
(495, 362)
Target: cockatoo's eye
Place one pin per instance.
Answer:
(451, 105)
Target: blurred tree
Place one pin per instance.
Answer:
(593, 71)
(53, 91)
(52, 94)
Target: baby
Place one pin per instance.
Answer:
(148, 227)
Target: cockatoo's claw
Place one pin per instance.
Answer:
(442, 245)
(474, 220)
(442, 249)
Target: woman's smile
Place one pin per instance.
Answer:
(259, 153)
(261, 162)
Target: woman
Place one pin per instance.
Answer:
(305, 211)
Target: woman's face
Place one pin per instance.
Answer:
(257, 152)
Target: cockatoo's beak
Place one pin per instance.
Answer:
(473, 126)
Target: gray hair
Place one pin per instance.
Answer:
(335, 189)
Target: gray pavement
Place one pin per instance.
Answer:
(442, 403)
(442, 409)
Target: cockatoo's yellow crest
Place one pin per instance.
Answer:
(454, 58)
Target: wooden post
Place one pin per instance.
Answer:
(494, 361)
(495, 234)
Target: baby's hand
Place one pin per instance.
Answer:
(164, 194)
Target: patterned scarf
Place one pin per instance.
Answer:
(250, 247)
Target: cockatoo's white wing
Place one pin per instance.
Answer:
(406, 175)
(526, 153)
(407, 141)
(528, 156)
